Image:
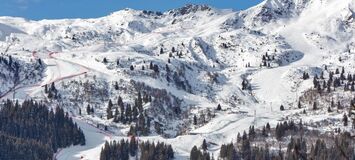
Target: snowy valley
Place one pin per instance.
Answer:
(189, 74)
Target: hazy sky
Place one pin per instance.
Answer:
(55, 9)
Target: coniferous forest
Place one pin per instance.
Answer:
(288, 141)
(261, 80)
(125, 149)
(30, 131)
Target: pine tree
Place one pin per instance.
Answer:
(88, 109)
(45, 88)
(282, 108)
(134, 114)
(156, 68)
(195, 120)
(109, 110)
(128, 114)
(245, 148)
(194, 154)
(252, 133)
(104, 60)
(244, 84)
(204, 145)
(117, 113)
(315, 82)
(299, 105)
(219, 107)
(50, 95)
(151, 65)
(345, 119)
(116, 85)
(263, 132)
(133, 146)
(140, 102)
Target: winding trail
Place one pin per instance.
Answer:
(57, 70)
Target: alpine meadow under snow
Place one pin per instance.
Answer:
(270, 82)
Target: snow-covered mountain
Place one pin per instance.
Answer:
(188, 61)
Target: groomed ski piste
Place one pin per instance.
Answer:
(272, 87)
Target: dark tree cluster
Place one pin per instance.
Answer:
(246, 85)
(244, 150)
(11, 65)
(342, 149)
(335, 80)
(160, 100)
(282, 108)
(325, 85)
(152, 13)
(266, 130)
(204, 116)
(164, 107)
(305, 76)
(89, 110)
(32, 125)
(104, 60)
(228, 151)
(197, 154)
(52, 92)
(154, 67)
(296, 149)
(127, 114)
(180, 81)
(266, 59)
(123, 150)
(173, 50)
(15, 71)
(285, 127)
(14, 148)
(202, 153)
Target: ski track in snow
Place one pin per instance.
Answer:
(258, 108)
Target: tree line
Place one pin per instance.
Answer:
(301, 144)
(296, 149)
(125, 150)
(30, 128)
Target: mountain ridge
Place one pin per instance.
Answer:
(204, 73)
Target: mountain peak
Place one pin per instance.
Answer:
(189, 8)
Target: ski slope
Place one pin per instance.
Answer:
(215, 46)
(275, 88)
